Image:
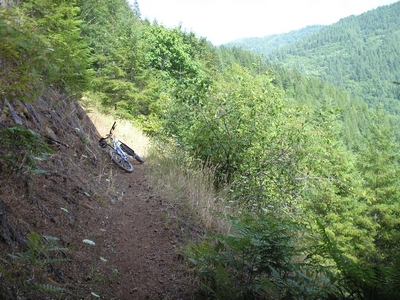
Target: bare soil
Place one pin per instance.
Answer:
(133, 237)
(142, 246)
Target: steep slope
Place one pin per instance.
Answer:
(358, 53)
(83, 227)
(271, 43)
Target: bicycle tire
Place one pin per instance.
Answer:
(132, 153)
(122, 163)
(138, 158)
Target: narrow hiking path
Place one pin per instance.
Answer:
(142, 234)
(122, 240)
(141, 244)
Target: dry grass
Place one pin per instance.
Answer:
(189, 182)
(124, 131)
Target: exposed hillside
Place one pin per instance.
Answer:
(304, 180)
(81, 196)
(270, 43)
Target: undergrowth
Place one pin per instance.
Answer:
(27, 272)
(21, 150)
(188, 183)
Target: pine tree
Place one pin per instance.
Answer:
(40, 42)
(379, 165)
(136, 10)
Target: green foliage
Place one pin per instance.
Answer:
(32, 264)
(38, 250)
(275, 155)
(21, 149)
(365, 280)
(19, 58)
(136, 9)
(358, 53)
(180, 62)
(271, 43)
(65, 54)
(379, 166)
(282, 142)
(220, 125)
(122, 81)
(352, 113)
(41, 44)
(260, 260)
(330, 185)
(167, 51)
(236, 55)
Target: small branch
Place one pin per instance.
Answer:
(57, 142)
(94, 158)
(14, 116)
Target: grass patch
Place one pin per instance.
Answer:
(181, 180)
(124, 131)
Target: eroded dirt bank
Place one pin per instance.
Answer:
(134, 235)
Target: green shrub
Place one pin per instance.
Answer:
(20, 151)
(361, 280)
(260, 261)
(40, 45)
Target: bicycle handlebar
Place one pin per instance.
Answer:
(113, 127)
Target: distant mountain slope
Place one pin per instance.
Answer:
(270, 43)
(359, 53)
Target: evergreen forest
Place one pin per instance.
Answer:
(359, 54)
(303, 139)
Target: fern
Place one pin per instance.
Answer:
(21, 149)
(46, 288)
(31, 264)
(259, 260)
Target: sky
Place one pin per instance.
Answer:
(222, 21)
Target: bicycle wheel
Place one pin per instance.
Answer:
(120, 161)
(138, 158)
(132, 153)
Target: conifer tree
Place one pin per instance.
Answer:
(136, 10)
(40, 42)
(379, 166)
(56, 25)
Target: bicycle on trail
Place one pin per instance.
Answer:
(120, 152)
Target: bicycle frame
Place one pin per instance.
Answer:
(120, 152)
(116, 146)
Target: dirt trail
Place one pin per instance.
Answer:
(143, 235)
(134, 235)
(144, 248)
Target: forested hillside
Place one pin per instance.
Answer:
(270, 43)
(359, 54)
(308, 173)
